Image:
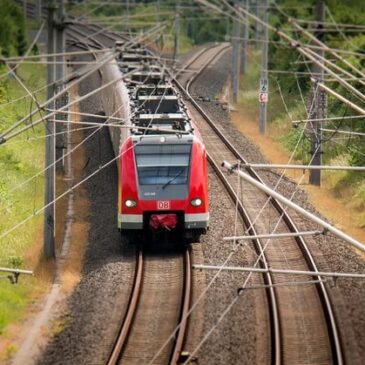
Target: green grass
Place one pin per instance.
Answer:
(346, 186)
(20, 159)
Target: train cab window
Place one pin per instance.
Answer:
(163, 165)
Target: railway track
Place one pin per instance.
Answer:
(160, 298)
(303, 327)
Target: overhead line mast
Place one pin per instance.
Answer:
(49, 188)
(264, 81)
(319, 101)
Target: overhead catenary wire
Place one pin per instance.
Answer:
(204, 291)
(32, 96)
(29, 179)
(316, 22)
(304, 167)
(72, 150)
(45, 55)
(106, 59)
(72, 188)
(40, 210)
(331, 30)
(13, 69)
(328, 49)
(335, 24)
(351, 133)
(192, 354)
(51, 114)
(338, 68)
(340, 97)
(297, 208)
(229, 307)
(222, 267)
(121, 126)
(62, 80)
(283, 271)
(32, 139)
(328, 119)
(295, 44)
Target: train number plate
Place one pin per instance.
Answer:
(163, 204)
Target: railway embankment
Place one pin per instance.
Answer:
(348, 296)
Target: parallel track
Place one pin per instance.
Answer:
(323, 344)
(130, 345)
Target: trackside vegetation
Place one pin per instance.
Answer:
(20, 159)
(292, 88)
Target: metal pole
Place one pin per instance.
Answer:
(245, 35)
(127, 11)
(281, 271)
(317, 42)
(297, 208)
(235, 59)
(303, 167)
(60, 74)
(39, 10)
(49, 214)
(264, 82)
(340, 97)
(177, 31)
(319, 106)
(302, 50)
(272, 236)
(257, 24)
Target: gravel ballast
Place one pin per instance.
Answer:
(98, 302)
(331, 253)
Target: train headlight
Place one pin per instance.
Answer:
(129, 203)
(197, 202)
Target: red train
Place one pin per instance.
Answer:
(163, 184)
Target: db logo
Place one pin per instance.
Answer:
(163, 205)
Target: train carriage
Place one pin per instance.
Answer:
(163, 185)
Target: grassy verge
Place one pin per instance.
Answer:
(347, 188)
(20, 159)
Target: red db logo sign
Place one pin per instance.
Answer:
(163, 205)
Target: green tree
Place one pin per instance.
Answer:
(13, 39)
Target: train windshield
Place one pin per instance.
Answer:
(163, 164)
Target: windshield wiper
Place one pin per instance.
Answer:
(171, 180)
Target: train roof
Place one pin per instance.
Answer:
(163, 139)
(155, 103)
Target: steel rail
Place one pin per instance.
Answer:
(183, 322)
(185, 67)
(273, 307)
(202, 69)
(258, 245)
(332, 329)
(98, 45)
(132, 309)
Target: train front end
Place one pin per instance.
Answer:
(163, 186)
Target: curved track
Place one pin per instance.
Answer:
(160, 298)
(303, 325)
